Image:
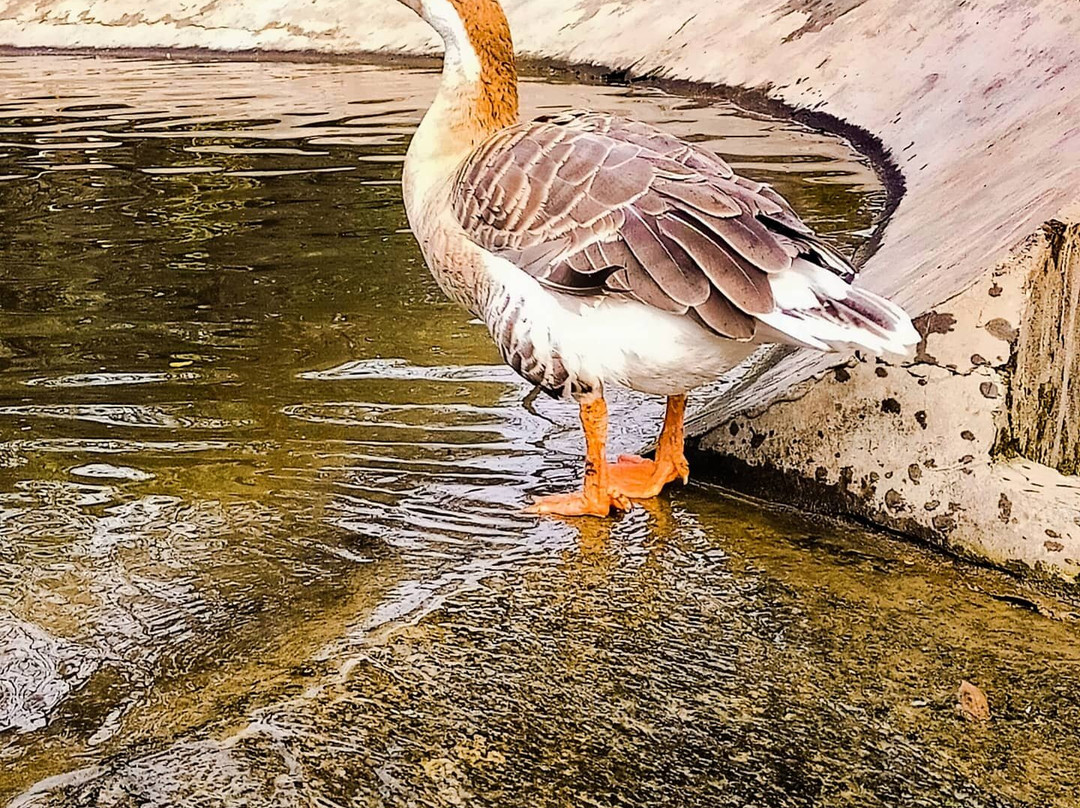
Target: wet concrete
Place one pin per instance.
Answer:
(759, 660)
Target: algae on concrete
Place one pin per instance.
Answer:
(1044, 402)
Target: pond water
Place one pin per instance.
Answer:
(260, 491)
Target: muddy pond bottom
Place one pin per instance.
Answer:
(260, 493)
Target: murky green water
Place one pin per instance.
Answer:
(260, 540)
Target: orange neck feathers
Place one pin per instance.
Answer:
(496, 105)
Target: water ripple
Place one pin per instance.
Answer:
(214, 483)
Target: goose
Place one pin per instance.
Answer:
(603, 251)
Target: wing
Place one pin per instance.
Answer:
(593, 204)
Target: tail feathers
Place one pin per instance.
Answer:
(816, 309)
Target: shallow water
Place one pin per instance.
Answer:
(260, 539)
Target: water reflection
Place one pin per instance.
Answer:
(260, 489)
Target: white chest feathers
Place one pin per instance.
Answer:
(572, 345)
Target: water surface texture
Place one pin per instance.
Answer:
(260, 491)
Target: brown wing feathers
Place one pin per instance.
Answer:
(594, 204)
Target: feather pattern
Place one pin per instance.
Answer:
(600, 250)
(596, 205)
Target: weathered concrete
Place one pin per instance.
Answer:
(977, 103)
(1044, 408)
(938, 447)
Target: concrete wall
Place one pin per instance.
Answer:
(944, 447)
(979, 105)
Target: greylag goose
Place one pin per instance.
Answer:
(600, 250)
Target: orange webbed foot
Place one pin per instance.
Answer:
(579, 503)
(641, 478)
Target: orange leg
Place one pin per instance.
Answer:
(597, 497)
(640, 478)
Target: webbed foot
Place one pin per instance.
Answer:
(580, 503)
(640, 478)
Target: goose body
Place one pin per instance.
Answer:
(599, 250)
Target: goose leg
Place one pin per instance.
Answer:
(640, 478)
(597, 497)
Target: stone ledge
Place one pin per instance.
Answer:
(925, 447)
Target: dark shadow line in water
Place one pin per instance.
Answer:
(529, 405)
